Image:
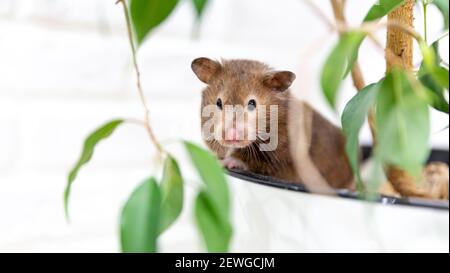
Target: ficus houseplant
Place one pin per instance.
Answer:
(397, 105)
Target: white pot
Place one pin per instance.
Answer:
(270, 219)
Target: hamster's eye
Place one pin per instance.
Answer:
(251, 105)
(219, 103)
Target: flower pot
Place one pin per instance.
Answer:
(273, 215)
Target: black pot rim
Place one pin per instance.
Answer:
(436, 155)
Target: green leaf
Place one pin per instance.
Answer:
(433, 76)
(435, 47)
(353, 118)
(139, 221)
(376, 177)
(381, 8)
(439, 73)
(212, 207)
(402, 119)
(88, 150)
(430, 59)
(216, 233)
(436, 93)
(441, 76)
(353, 56)
(442, 5)
(199, 6)
(172, 193)
(212, 175)
(148, 14)
(336, 63)
(377, 11)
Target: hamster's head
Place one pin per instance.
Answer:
(242, 102)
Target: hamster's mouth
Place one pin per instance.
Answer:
(236, 143)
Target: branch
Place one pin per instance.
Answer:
(357, 76)
(138, 81)
(369, 27)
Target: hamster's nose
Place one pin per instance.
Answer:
(232, 134)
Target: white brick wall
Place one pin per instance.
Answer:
(65, 69)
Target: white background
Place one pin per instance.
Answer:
(65, 68)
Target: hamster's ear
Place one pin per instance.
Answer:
(205, 69)
(279, 80)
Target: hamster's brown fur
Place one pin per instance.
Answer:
(235, 81)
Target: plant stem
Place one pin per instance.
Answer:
(425, 33)
(369, 27)
(400, 42)
(320, 14)
(138, 81)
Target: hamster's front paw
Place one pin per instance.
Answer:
(233, 163)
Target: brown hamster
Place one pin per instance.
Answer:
(247, 110)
